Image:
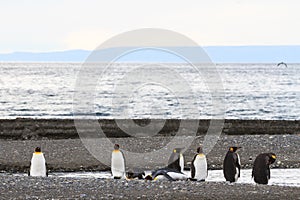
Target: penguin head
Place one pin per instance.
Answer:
(272, 158)
(117, 147)
(37, 150)
(177, 150)
(149, 178)
(199, 150)
(234, 149)
(132, 175)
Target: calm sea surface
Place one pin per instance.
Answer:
(249, 91)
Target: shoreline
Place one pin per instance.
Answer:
(39, 129)
(65, 152)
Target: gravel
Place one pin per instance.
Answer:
(71, 154)
(75, 188)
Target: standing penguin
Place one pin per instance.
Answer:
(199, 166)
(176, 160)
(261, 169)
(38, 164)
(117, 163)
(232, 165)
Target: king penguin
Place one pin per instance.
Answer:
(38, 164)
(167, 174)
(176, 160)
(261, 169)
(117, 163)
(199, 166)
(232, 165)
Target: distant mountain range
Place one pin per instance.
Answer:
(218, 54)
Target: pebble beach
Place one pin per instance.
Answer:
(74, 188)
(70, 155)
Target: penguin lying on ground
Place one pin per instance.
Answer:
(232, 165)
(176, 160)
(117, 163)
(167, 174)
(199, 166)
(261, 169)
(38, 164)
(135, 175)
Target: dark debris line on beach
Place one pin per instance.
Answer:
(24, 129)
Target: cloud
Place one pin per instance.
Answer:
(59, 25)
(86, 39)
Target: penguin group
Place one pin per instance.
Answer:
(175, 169)
(261, 167)
(198, 170)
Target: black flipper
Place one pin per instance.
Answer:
(46, 169)
(193, 170)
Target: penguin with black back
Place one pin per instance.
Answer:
(261, 169)
(232, 165)
(176, 160)
(166, 174)
(136, 174)
(199, 166)
(38, 166)
(117, 163)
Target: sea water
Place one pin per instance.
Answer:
(249, 91)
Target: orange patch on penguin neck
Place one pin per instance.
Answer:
(201, 155)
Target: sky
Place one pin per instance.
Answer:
(58, 25)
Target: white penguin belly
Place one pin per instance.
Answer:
(236, 176)
(38, 165)
(181, 163)
(160, 178)
(177, 176)
(118, 164)
(200, 164)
